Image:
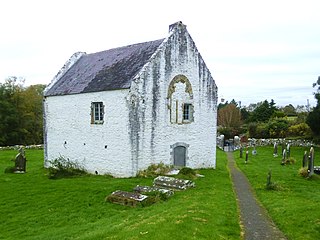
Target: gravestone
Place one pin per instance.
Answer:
(311, 162)
(275, 149)
(126, 198)
(284, 156)
(288, 151)
(269, 183)
(20, 162)
(236, 142)
(172, 183)
(283, 147)
(305, 159)
(247, 156)
(148, 189)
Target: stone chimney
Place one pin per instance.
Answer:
(177, 24)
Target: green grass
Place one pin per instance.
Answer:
(35, 207)
(294, 206)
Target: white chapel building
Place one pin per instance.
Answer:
(120, 110)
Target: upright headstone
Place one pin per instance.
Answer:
(311, 162)
(236, 142)
(284, 154)
(269, 179)
(247, 155)
(283, 146)
(275, 149)
(20, 161)
(288, 151)
(305, 159)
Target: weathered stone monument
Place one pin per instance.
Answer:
(20, 161)
(283, 146)
(247, 156)
(284, 156)
(172, 183)
(288, 151)
(311, 162)
(126, 198)
(305, 159)
(275, 149)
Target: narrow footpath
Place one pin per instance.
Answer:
(254, 219)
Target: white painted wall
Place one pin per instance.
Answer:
(68, 119)
(158, 133)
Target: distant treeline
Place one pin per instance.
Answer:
(20, 113)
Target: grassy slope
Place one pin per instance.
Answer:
(295, 207)
(34, 207)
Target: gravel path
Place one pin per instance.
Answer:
(254, 219)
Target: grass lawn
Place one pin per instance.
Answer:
(295, 206)
(35, 207)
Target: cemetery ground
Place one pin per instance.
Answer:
(32, 206)
(293, 204)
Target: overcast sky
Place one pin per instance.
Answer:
(255, 50)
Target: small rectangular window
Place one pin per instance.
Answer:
(97, 112)
(187, 112)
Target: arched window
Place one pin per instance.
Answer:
(180, 100)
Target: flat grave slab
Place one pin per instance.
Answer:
(126, 198)
(148, 189)
(172, 183)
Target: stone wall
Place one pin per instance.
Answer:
(154, 136)
(98, 147)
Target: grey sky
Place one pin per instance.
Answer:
(255, 50)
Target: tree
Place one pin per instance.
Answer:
(229, 116)
(289, 110)
(263, 112)
(20, 112)
(9, 111)
(313, 118)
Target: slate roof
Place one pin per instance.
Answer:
(107, 70)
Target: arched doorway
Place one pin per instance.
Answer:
(179, 156)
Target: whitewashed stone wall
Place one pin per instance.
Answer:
(98, 147)
(153, 135)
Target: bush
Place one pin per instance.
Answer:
(9, 170)
(303, 172)
(300, 130)
(154, 197)
(62, 167)
(155, 170)
(288, 161)
(188, 172)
